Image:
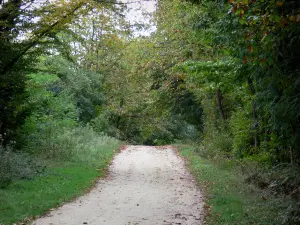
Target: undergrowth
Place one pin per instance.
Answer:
(17, 165)
(80, 144)
(59, 168)
(233, 198)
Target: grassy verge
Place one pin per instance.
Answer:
(59, 183)
(230, 199)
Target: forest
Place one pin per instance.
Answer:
(78, 80)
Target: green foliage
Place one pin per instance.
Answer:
(241, 69)
(83, 85)
(217, 144)
(48, 113)
(101, 124)
(210, 74)
(22, 41)
(52, 129)
(240, 124)
(266, 32)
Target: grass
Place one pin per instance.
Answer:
(230, 200)
(59, 183)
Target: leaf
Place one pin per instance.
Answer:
(242, 21)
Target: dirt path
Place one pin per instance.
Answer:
(145, 186)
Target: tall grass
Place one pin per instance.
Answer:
(83, 144)
(79, 144)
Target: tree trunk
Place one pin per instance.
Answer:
(254, 114)
(220, 104)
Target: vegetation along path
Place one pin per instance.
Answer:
(145, 185)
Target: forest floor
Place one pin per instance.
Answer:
(144, 185)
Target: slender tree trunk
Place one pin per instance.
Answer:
(256, 126)
(254, 114)
(119, 116)
(220, 104)
(291, 155)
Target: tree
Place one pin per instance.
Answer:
(27, 28)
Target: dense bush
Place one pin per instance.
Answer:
(54, 130)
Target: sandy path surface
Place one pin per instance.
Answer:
(145, 185)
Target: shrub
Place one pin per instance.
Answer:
(240, 124)
(16, 166)
(100, 123)
(217, 142)
(81, 144)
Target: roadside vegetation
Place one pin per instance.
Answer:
(25, 199)
(240, 192)
(33, 184)
(77, 78)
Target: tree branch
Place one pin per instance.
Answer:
(35, 40)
